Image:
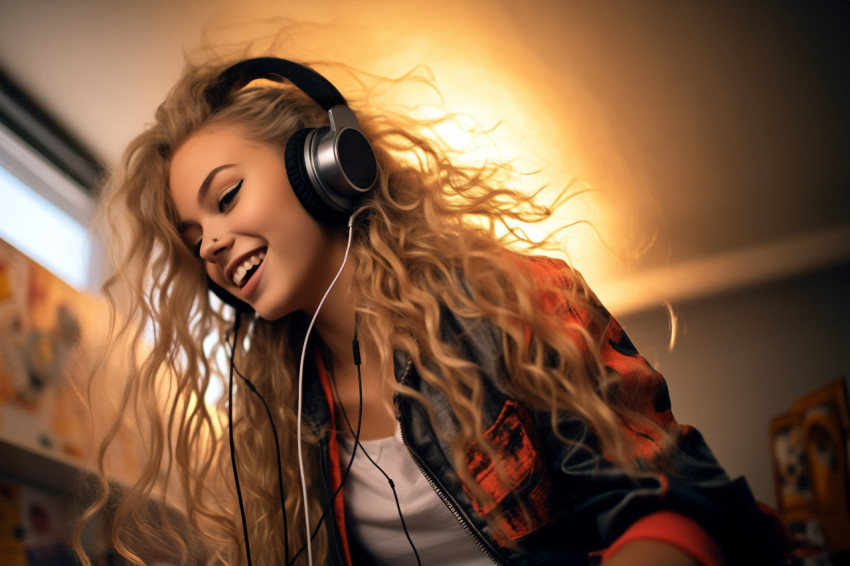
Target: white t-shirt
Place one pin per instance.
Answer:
(373, 517)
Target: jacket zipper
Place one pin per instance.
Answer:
(450, 503)
(447, 500)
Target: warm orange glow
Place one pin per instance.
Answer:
(513, 125)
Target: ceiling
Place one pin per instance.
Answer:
(716, 136)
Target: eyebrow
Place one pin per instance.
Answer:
(207, 182)
(204, 189)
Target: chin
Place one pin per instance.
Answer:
(273, 312)
(270, 316)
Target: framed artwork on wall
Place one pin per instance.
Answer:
(809, 447)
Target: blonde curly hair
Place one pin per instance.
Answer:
(432, 235)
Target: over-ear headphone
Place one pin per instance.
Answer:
(329, 168)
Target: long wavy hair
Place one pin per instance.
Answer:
(432, 235)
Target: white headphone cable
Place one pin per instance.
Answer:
(301, 388)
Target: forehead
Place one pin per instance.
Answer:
(204, 150)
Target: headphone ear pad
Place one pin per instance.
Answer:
(308, 196)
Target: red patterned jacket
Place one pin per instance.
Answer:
(578, 507)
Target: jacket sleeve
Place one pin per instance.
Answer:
(676, 530)
(689, 485)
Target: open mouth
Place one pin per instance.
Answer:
(247, 268)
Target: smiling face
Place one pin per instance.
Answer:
(240, 215)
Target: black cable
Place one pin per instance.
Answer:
(356, 348)
(232, 444)
(253, 389)
(357, 444)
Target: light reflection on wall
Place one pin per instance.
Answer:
(515, 126)
(512, 125)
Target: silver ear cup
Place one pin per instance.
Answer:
(341, 166)
(339, 161)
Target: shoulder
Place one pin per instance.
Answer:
(544, 268)
(552, 277)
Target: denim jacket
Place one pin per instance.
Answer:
(576, 503)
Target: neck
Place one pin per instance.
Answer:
(336, 321)
(336, 325)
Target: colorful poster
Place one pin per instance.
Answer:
(40, 364)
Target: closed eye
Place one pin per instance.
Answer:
(227, 197)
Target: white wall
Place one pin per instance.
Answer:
(743, 358)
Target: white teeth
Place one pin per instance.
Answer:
(238, 275)
(246, 266)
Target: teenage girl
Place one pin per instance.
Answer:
(407, 388)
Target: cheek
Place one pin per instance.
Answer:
(288, 220)
(272, 206)
(215, 275)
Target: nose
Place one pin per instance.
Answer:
(214, 246)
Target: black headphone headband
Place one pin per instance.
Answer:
(240, 74)
(329, 168)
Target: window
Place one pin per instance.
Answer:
(45, 203)
(44, 232)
